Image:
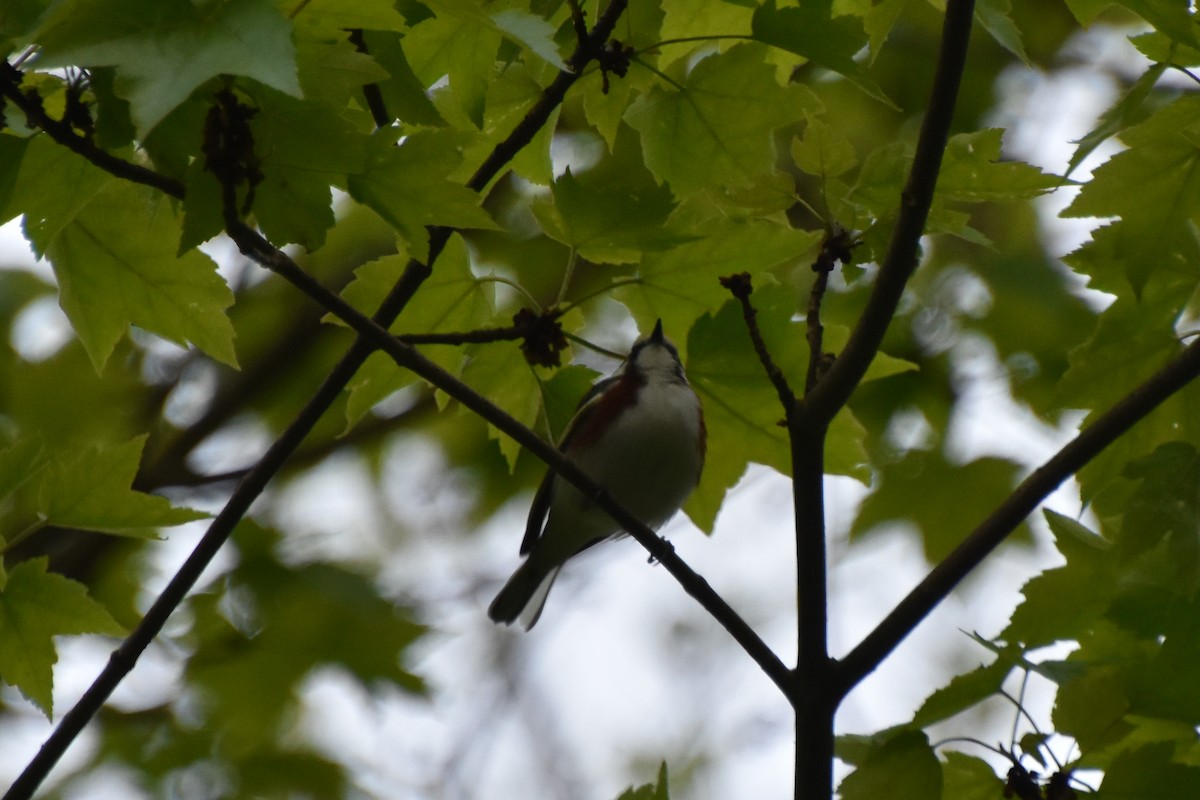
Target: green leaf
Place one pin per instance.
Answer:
(165, 49)
(1093, 708)
(460, 42)
(451, 300)
(1154, 187)
(679, 284)
(51, 186)
(722, 117)
(403, 93)
(811, 31)
(18, 463)
(36, 606)
(822, 151)
(115, 263)
(1064, 602)
(531, 31)
(303, 150)
(290, 619)
(963, 692)
(879, 21)
(972, 171)
(1150, 771)
(608, 223)
(969, 778)
(406, 184)
(649, 791)
(741, 408)
(327, 16)
(944, 517)
(506, 379)
(90, 490)
(903, 768)
(1126, 111)
(995, 17)
(332, 73)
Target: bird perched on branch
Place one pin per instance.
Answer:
(639, 434)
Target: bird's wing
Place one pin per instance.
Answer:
(545, 492)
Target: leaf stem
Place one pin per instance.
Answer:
(23, 534)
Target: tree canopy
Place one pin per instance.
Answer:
(293, 235)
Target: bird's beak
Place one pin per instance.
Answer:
(657, 334)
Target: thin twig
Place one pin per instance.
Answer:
(741, 288)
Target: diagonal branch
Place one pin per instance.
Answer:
(252, 485)
(741, 288)
(1024, 500)
(409, 358)
(30, 104)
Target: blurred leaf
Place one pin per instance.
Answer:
(649, 791)
(945, 516)
(1149, 771)
(903, 767)
(291, 619)
(968, 778)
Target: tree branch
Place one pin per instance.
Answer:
(741, 288)
(818, 678)
(126, 656)
(30, 104)
(409, 358)
(1024, 500)
(831, 393)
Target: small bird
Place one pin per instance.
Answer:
(639, 434)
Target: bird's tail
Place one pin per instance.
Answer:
(524, 596)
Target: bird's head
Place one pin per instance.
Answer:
(655, 356)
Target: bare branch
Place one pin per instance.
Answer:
(741, 288)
